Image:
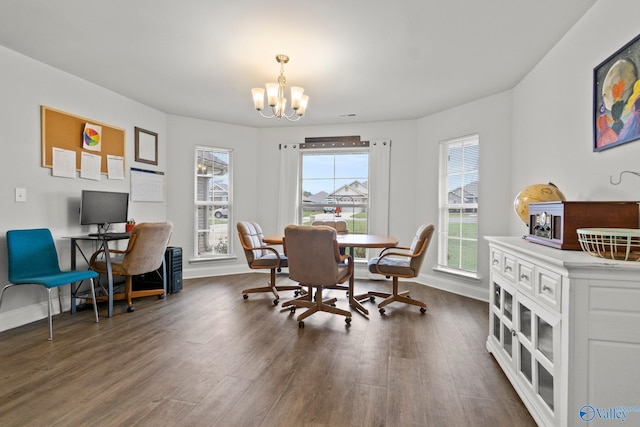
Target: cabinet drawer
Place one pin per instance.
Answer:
(509, 266)
(496, 260)
(525, 276)
(548, 288)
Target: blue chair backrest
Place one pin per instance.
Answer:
(31, 253)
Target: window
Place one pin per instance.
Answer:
(458, 242)
(212, 202)
(335, 185)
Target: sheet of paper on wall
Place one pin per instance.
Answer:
(115, 167)
(90, 166)
(64, 163)
(147, 185)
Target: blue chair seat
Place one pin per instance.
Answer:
(56, 279)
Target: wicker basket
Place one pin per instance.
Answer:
(612, 243)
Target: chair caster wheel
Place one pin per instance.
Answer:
(381, 311)
(245, 296)
(276, 301)
(293, 309)
(161, 296)
(372, 298)
(131, 309)
(348, 320)
(423, 310)
(296, 293)
(300, 325)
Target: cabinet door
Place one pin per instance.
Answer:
(502, 315)
(538, 352)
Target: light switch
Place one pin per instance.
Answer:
(21, 194)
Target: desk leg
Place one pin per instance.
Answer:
(164, 277)
(109, 279)
(73, 285)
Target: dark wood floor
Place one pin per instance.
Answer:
(206, 357)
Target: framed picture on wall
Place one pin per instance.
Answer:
(616, 98)
(146, 146)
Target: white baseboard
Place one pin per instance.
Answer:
(455, 286)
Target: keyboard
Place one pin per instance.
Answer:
(113, 235)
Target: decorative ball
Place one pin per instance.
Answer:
(533, 194)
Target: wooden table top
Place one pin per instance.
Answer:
(346, 240)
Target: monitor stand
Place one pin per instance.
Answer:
(102, 229)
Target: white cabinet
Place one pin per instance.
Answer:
(565, 328)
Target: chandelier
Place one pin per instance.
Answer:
(276, 99)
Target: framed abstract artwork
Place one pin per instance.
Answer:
(616, 98)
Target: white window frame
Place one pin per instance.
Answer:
(214, 204)
(445, 205)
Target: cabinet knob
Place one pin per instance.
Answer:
(546, 288)
(508, 268)
(524, 277)
(495, 261)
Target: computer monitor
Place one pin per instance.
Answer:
(103, 208)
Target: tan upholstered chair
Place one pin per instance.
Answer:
(144, 254)
(339, 225)
(315, 262)
(401, 262)
(260, 256)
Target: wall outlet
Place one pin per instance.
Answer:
(21, 195)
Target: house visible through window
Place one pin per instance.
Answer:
(212, 202)
(458, 235)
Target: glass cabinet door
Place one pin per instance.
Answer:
(502, 316)
(539, 343)
(507, 332)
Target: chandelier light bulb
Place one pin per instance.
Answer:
(258, 98)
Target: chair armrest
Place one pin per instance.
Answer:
(258, 248)
(347, 259)
(111, 251)
(390, 248)
(401, 254)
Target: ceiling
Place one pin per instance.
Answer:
(358, 60)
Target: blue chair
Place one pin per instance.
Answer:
(33, 260)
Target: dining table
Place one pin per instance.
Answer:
(351, 241)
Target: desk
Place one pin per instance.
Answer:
(104, 242)
(348, 241)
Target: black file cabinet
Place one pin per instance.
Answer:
(153, 280)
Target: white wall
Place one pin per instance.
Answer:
(185, 134)
(54, 202)
(491, 119)
(552, 114)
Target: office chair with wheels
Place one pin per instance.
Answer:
(260, 256)
(400, 262)
(33, 260)
(339, 225)
(144, 254)
(315, 262)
